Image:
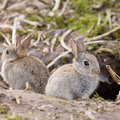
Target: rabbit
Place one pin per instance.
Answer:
(73, 81)
(18, 68)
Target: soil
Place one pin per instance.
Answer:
(33, 106)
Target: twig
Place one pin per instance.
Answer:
(39, 36)
(38, 39)
(99, 19)
(22, 18)
(39, 4)
(55, 8)
(5, 26)
(19, 5)
(100, 41)
(62, 42)
(64, 7)
(4, 5)
(5, 44)
(115, 77)
(57, 58)
(14, 31)
(29, 22)
(101, 49)
(57, 5)
(70, 50)
(53, 41)
(91, 27)
(109, 18)
(7, 40)
(47, 41)
(104, 35)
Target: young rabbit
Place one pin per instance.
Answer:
(72, 81)
(19, 68)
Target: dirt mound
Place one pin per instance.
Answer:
(27, 105)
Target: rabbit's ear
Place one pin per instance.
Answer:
(77, 47)
(26, 42)
(81, 46)
(18, 43)
(74, 48)
(80, 43)
(2, 48)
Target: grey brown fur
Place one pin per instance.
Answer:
(19, 68)
(75, 80)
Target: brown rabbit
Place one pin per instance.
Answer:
(77, 79)
(19, 68)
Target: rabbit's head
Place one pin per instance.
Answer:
(84, 62)
(12, 52)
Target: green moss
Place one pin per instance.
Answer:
(83, 17)
(92, 46)
(63, 101)
(98, 30)
(115, 52)
(33, 17)
(3, 114)
(100, 110)
(64, 59)
(47, 99)
(116, 34)
(2, 110)
(38, 49)
(28, 26)
(35, 35)
(30, 113)
(82, 6)
(17, 117)
(60, 22)
(48, 19)
(84, 23)
(21, 33)
(96, 96)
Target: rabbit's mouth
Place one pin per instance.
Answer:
(95, 71)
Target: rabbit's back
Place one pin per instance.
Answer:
(67, 83)
(62, 82)
(26, 69)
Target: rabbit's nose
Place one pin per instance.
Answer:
(95, 71)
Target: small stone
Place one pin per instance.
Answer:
(45, 50)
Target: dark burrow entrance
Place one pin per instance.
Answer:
(108, 91)
(111, 89)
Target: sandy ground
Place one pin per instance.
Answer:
(33, 106)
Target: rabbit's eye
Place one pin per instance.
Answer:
(86, 63)
(7, 52)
